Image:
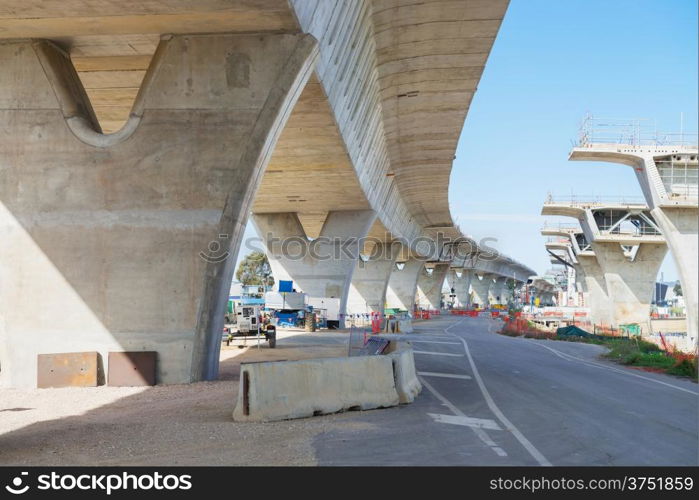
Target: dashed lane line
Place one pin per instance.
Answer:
(536, 454)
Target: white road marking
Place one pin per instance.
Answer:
(479, 432)
(480, 423)
(570, 357)
(432, 342)
(426, 335)
(444, 375)
(439, 353)
(536, 454)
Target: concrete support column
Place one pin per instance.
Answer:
(679, 227)
(461, 285)
(580, 282)
(630, 284)
(367, 291)
(322, 267)
(597, 298)
(402, 285)
(496, 293)
(127, 241)
(480, 285)
(429, 287)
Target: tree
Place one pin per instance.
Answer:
(511, 286)
(254, 269)
(677, 289)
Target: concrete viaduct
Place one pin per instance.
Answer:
(138, 137)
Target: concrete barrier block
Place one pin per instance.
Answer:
(295, 389)
(404, 373)
(405, 326)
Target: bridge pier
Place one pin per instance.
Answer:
(429, 287)
(322, 267)
(367, 291)
(480, 285)
(680, 229)
(402, 285)
(630, 283)
(496, 293)
(127, 241)
(461, 286)
(597, 298)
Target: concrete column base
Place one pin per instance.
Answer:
(630, 284)
(461, 286)
(402, 285)
(480, 285)
(597, 298)
(680, 229)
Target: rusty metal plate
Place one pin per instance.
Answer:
(132, 368)
(69, 369)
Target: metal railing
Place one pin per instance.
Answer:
(561, 226)
(629, 229)
(595, 200)
(633, 132)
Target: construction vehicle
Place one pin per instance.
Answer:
(247, 324)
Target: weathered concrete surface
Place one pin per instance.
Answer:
(295, 389)
(480, 285)
(402, 285)
(429, 287)
(630, 284)
(367, 291)
(322, 267)
(102, 233)
(461, 285)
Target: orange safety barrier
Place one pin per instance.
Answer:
(376, 320)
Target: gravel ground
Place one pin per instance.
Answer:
(164, 425)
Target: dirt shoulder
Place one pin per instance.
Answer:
(163, 425)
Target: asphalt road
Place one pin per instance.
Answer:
(489, 399)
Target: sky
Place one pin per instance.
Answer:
(552, 62)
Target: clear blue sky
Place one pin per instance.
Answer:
(553, 61)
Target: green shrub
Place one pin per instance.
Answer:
(685, 368)
(654, 359)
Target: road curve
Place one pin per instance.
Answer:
(489, 399)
